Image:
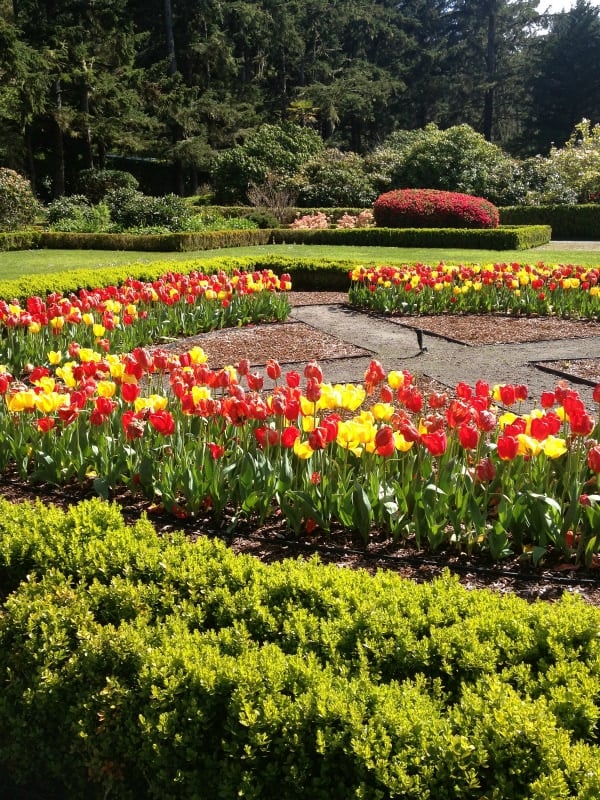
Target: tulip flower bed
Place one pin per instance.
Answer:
(120, 318)
(565, 290)
(435, 471)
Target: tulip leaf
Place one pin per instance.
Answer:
(361, 510)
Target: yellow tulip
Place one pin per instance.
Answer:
(302, 449)
(106, 388)
(21, 401)
(395, 379)
(197, 355)
(554, 447)
(54, 357)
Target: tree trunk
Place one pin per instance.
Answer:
(58, 188)
(172, 65)
(490, 61)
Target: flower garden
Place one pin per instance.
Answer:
(86, 398)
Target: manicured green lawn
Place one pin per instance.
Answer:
(13, 264)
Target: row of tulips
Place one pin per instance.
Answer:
(120, 318)
(472, 470)
(565, 290)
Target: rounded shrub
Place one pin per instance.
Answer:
(130, 209)
(18, 205)
(433, 208)
(96, 183)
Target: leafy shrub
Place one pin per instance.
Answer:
(570, 174)
(130, 210)
(334, 178)
(263, 219)
(457, 159)
(431, 208)
(18, 205)
(279, 149)
(96, 183)
(76, 214)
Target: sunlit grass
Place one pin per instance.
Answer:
(16, 263)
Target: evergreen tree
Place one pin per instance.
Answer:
(566, 85)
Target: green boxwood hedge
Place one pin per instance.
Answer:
(567, 222)
(502, 238)
(139, 667)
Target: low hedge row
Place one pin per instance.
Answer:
(307, 274)
(139, 667)
(567, 222)
(502, 238)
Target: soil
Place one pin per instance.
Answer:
(293, 342)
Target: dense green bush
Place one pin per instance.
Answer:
(130, 210)
(143, 667)
(457, 159)
(74, 213)
(18, 205)
(431, 208)
(96, 183)
(334, 178)
(276, 149)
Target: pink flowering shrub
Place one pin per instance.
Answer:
(363, 219)
(311, 222)
(432, 208)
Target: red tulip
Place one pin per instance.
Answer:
(289, 436)
(435, 443)
(273, 369)
(547, 399)
(468, 436)
(317, 438)
(384, 441)
(508, 447)
(312, 371)
(162, 421)
(485, 470)
(594, 458)
(581, 424)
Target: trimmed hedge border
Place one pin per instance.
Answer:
(140, 667)
(567, 222)
(502, 238)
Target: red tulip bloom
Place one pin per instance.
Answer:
(596, 393)
(409, 431)
(273, 369)
(289, 436)
(133, 425)
(45, 424)
(331, 424)
(130, 392)
(292, 379)
(435, 443)
(162, 421)
(482, 389)
(386, 394)
(313, 371)
(508, 447)
(547, 399)
(317, 438)
(255, 381)
(540, 428)
(216, 450)
(581, 424)
(521, 391)
(486, 420)
(385, 444)
(463, 391)
(266, 436)
(485, 470)
(594, 458)
(313, 390)
(508, 395)
(468, 436)
(5, 380)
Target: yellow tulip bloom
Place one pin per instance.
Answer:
(554, 447)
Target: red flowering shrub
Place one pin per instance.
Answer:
(432, 208)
